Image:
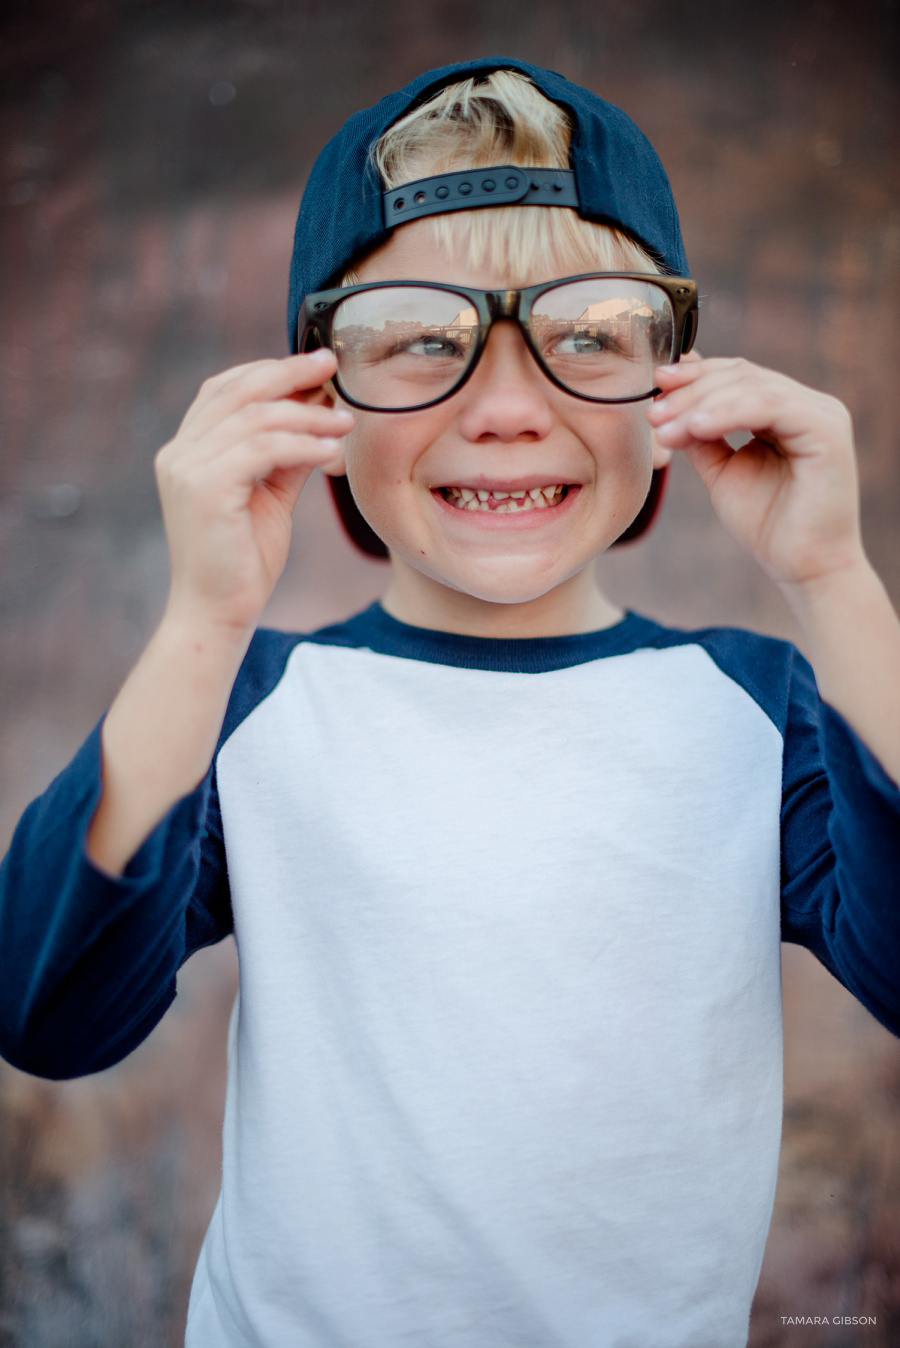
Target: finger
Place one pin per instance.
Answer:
(728, 407)
(678, 401)
(215, 383)
(259, 381)
(257, 418)
(708, 458)
(325, 396)
(228, 484)
(690, 367)
(246, 447)
(287, 415)
(262, 455)
(281, 376)
(287, 483)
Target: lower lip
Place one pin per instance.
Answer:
(512, 519)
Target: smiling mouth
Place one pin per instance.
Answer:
(505, 502)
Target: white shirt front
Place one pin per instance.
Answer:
(505, 1064)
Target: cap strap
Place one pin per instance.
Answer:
(505, 185)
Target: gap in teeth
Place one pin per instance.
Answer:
(468, 498)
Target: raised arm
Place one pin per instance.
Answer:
(228, 483)
(117, 871)
(791, 496)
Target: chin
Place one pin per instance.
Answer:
(512, 589)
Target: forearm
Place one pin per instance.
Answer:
(853, 642)
(160, 734)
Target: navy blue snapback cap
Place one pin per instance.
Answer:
(615, 178)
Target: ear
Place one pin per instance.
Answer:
(336, 467)
(661, 454)
(325, 396)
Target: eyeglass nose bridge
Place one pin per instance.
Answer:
(504, 304)
(509, 304)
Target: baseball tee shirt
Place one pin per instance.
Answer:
(505, 1062)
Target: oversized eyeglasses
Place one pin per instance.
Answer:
(404, 345)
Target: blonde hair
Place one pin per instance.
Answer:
(501, 118)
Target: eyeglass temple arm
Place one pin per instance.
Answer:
(691, 324)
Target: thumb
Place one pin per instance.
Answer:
(708, 458)
(287, 483)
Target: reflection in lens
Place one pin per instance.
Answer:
(601, 337)
(402, 345)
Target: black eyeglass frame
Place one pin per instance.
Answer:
(316, 322)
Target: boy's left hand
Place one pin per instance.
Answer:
(791, 494)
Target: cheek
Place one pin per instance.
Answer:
(383, 451)
(621, 442)
(642, 437)
(359, 457)
(375, 460)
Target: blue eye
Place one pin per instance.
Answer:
(583, 344)
(429, 346)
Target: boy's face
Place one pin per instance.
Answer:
(508, 423)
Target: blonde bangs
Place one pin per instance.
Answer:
(511, 240)
(500, 119)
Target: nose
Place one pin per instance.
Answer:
(506, 397)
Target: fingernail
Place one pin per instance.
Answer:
(329, 445)
(321, 353)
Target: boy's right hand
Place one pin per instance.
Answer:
(229, 480)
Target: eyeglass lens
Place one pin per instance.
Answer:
(402, 346)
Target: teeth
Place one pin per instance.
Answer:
(538, 498)
(468, 493)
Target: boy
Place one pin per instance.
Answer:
(507, 869)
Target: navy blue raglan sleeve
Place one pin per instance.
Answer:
(840, 830)
(88, 961)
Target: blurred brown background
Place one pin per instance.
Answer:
(152, 160)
